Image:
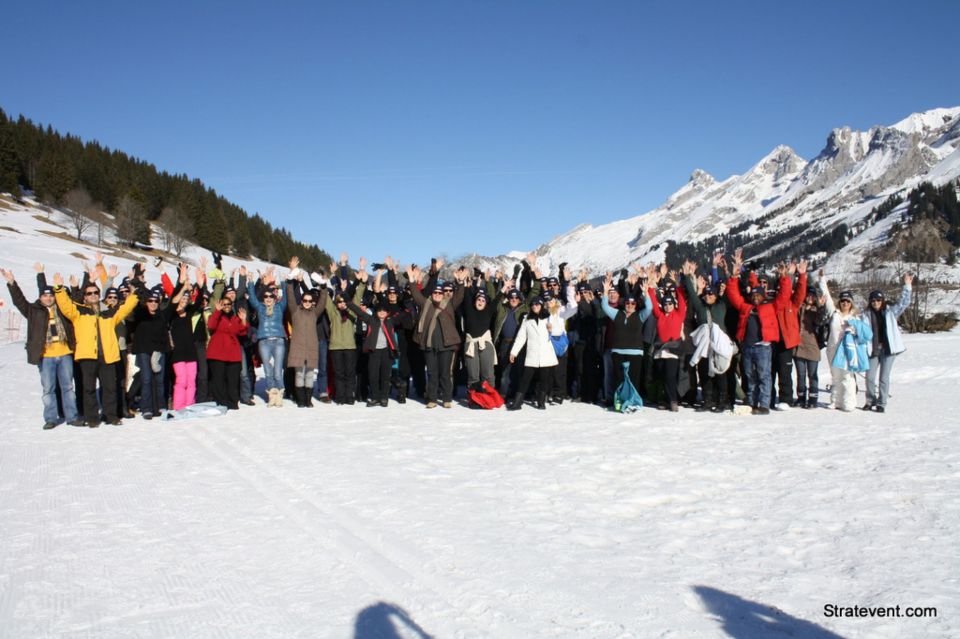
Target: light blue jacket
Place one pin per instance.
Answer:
(852, 354)
(890, 316)
(268, 325)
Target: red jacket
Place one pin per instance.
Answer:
(788, 313)
(669, 327)
(769, 327)
(224, 345)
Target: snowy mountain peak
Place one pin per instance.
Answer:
(780, 194)
(780, 162)
(928, 122)
(701, 178)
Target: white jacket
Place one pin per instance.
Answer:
(716, 342)
(533, 333)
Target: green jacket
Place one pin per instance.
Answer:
(343, 327)
(718, 309)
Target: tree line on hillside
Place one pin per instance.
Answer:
(86, 177)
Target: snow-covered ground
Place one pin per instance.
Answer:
(403, 522)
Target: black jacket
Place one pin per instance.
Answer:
(37, 319)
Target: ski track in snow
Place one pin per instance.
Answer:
(572, 522)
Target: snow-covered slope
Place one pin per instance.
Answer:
(30, 233)
(576, 523)
(851, 175)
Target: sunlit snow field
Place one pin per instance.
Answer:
(404, 522)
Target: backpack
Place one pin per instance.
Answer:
(484, 396)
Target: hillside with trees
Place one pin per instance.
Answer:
(86, 177)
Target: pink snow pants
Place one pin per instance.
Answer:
(185, 384)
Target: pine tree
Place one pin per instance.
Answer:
(55, 176)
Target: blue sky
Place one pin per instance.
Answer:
(418, 128)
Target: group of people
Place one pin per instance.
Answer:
(702, 337)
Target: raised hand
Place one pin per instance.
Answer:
(200, 275)
(219, 305)
(113, 271)
(343, 284)
(363, 276)
(204, 262)
(57, 279)
(908, 279)
(363, 263)
(184, 273)
(389, 263)
(8, 275)
(802, 267)
(99, 257)
(243, 271)
(242, 314)
(294, 262)
(344, 259)
(38, 267)
(74, 282)
(792, 268)
(439, 263)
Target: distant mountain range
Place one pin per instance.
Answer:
(855, 172)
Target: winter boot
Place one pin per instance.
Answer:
(517, 402)
(542, 401)
(402, 396)
(300, 395)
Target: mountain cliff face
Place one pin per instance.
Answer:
(851, 175)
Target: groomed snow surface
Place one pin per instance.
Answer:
(404, 522)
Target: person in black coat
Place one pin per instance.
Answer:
(50, 345)
(380, 344)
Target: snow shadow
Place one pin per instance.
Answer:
(745, 619)
(386, 621)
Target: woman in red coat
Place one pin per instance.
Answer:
(224, 353)
(669, 334)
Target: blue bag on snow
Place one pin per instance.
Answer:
(627, 399)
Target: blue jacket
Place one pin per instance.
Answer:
(852, 354)
(269, 325)
(890, 316)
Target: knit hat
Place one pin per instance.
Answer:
(710, 290)
(669, 299)
(46, 290)
(846, 295)
(513, 295)
(111, 291)
(630, 298)
(758, 290)
(536, 301)
(551, 281)
(392, 289)
(877, 295)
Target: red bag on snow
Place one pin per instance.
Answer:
(484, 397)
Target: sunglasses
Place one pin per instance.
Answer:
(153, 301)
(307, 300)
(630, 303)
(268, 297)
(92, 293)
(111, 297)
